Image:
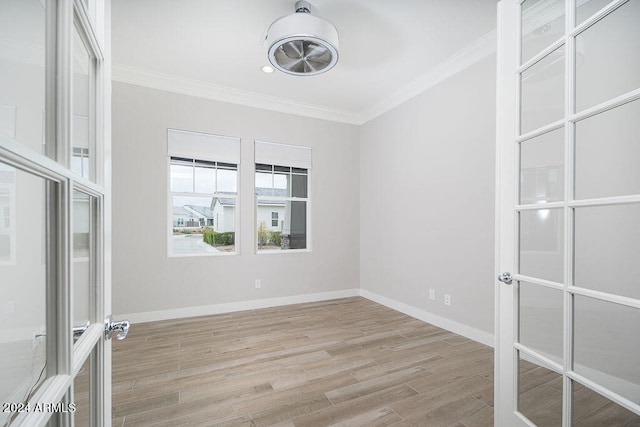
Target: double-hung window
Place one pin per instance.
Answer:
(203, 192)
(282, 197)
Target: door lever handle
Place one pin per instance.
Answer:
(120, 328)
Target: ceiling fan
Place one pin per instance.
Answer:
(302, 44)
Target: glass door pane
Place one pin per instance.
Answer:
(586, 8)
(541, 317)
(607, 150)
(605, 65)
(542, 244)
(542, 168)
(607, 244)
(542, 24)
(22, 72)
(539, 392)
(81, 394)
(607, 345)
(83, 149)
(83, 258)
(542, 92)
(23, 269)
(593, 409)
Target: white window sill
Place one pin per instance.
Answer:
(220, 254)
(281, 251)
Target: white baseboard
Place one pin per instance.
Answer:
(204, 310)
(439, 321)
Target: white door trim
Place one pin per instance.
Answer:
(505, 295)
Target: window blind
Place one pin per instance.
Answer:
(281, 154)
(203, 146)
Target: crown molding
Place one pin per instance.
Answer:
(467, 56)
(462, 59)
(202, 89)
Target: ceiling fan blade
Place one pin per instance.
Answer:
(315, 51)
(293, 49)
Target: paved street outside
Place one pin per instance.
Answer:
(191, 244)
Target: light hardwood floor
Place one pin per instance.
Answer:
(344, 362)
(348, 362)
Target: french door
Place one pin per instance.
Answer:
(568, 211)
(54, 213)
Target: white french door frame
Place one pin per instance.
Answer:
(508, 208)
(64, 358)
(505, 297)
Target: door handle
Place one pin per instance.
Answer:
(79, 330)
(506, 277)
(120, 328)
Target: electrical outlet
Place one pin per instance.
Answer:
(258, 284)
(432, 294)
(447, 300)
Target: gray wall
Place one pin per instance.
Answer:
(427, 199)
(400, 205)
(145, 279)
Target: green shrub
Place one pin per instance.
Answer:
(263, 234)
(213, 238)
(208, 235)
(276, 238)
(226, 238)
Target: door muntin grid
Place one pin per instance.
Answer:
(536, 248)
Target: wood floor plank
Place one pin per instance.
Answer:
(275, 400)
(422, 403)
(448, 414)
(145, 404)
(377, 417)
(288, 411)
(347, 362)
(344, 362)
(446, 378)
(353, 409)
(372, 385)
(482, 418)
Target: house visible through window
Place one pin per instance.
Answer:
(203, 193)
(281, 192)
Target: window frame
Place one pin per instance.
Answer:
(289, 198)
(171, 194)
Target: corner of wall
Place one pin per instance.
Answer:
(439, 321)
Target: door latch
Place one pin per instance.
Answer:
(506, 278)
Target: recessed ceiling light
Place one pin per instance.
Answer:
(267, 69)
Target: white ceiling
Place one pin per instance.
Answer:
(389, 50)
